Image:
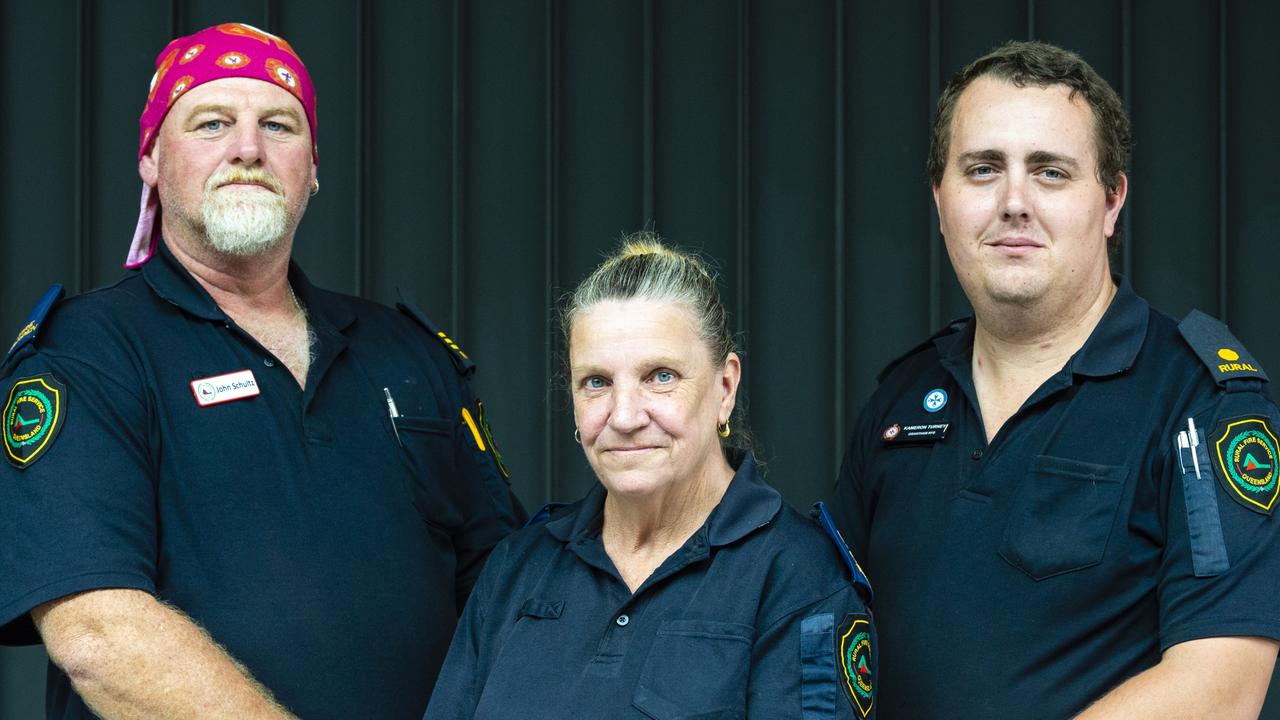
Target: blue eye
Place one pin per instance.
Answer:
(212, 125)
(1053, 174)
(595, 382)
(664, 376)
(274, 126)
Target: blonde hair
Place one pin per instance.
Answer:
(644, 268)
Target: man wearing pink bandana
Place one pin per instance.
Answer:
(229, 493)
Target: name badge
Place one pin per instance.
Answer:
(925, 432)
(224, 388)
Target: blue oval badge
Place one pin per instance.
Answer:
(935, 400)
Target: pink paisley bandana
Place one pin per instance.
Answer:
(222, 51)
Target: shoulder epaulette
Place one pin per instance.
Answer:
(858, 577)
(544, 514)
(951, 327)
(32, 326)
(1219, 350)
(461, 362)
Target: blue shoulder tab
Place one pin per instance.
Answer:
(951, 327)
(461, 362)
(1219, 350)
(32, 326)
(859, 578)
(545, 513)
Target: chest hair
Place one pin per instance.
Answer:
(291, 340)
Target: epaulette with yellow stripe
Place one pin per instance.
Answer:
(461, 362)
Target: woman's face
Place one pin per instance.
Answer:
(646, 396)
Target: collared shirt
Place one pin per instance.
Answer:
(293, 525)
(1034, 573)
(552, 631)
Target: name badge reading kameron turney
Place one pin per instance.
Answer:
(921, 433)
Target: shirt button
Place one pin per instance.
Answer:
(622, 620)
(268, 362)
(977, 454)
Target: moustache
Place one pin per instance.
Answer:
(244, 176)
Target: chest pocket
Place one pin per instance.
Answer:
(1062, 516)
(696, 670)
(428, 450)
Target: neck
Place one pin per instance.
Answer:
(1021, 339)
(255, 293)
(663, 522)
(239, 285)
(1012, 359)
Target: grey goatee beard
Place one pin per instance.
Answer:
(244, 221)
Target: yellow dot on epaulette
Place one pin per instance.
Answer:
(1228, 354)
(441, 334)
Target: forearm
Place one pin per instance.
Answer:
(130, 656)
(1220, 678)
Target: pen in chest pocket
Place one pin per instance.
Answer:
(393, 413)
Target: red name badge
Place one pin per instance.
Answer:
(224, 388)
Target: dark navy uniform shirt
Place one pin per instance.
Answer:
(743, 620)
(1029, 576)
(328, 558)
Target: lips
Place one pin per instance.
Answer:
(1017, 242)
(1016, 246)
(239, 183)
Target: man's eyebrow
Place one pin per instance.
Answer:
(208, 108)
(981, 156)
(1044, 157)
(228, 110)
(288, 111)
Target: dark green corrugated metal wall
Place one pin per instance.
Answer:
(483, 153)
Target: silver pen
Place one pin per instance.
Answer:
(393, 413)
(1195, 441)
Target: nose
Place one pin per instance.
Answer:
(246, 144)
(1013, 201)
(629, 412)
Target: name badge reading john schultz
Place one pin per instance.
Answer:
(224, 388)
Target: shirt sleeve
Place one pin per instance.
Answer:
(849, 507)
(817, 663)
(491, 510)
(81, 514)
(1220, 572)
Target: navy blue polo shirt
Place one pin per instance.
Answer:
(742, 620)
(1037, 572)
(326, 555)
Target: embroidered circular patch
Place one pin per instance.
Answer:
(33, 415)
(855, 653)
(1246, 452)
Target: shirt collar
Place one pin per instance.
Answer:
(748, 504)
(1111, 348)
(1113, 345)
(172, 282)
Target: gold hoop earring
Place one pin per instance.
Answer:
(577, 436)
(723, 430)
(315, 186)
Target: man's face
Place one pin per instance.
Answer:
(1020, 205)
(233, 166)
